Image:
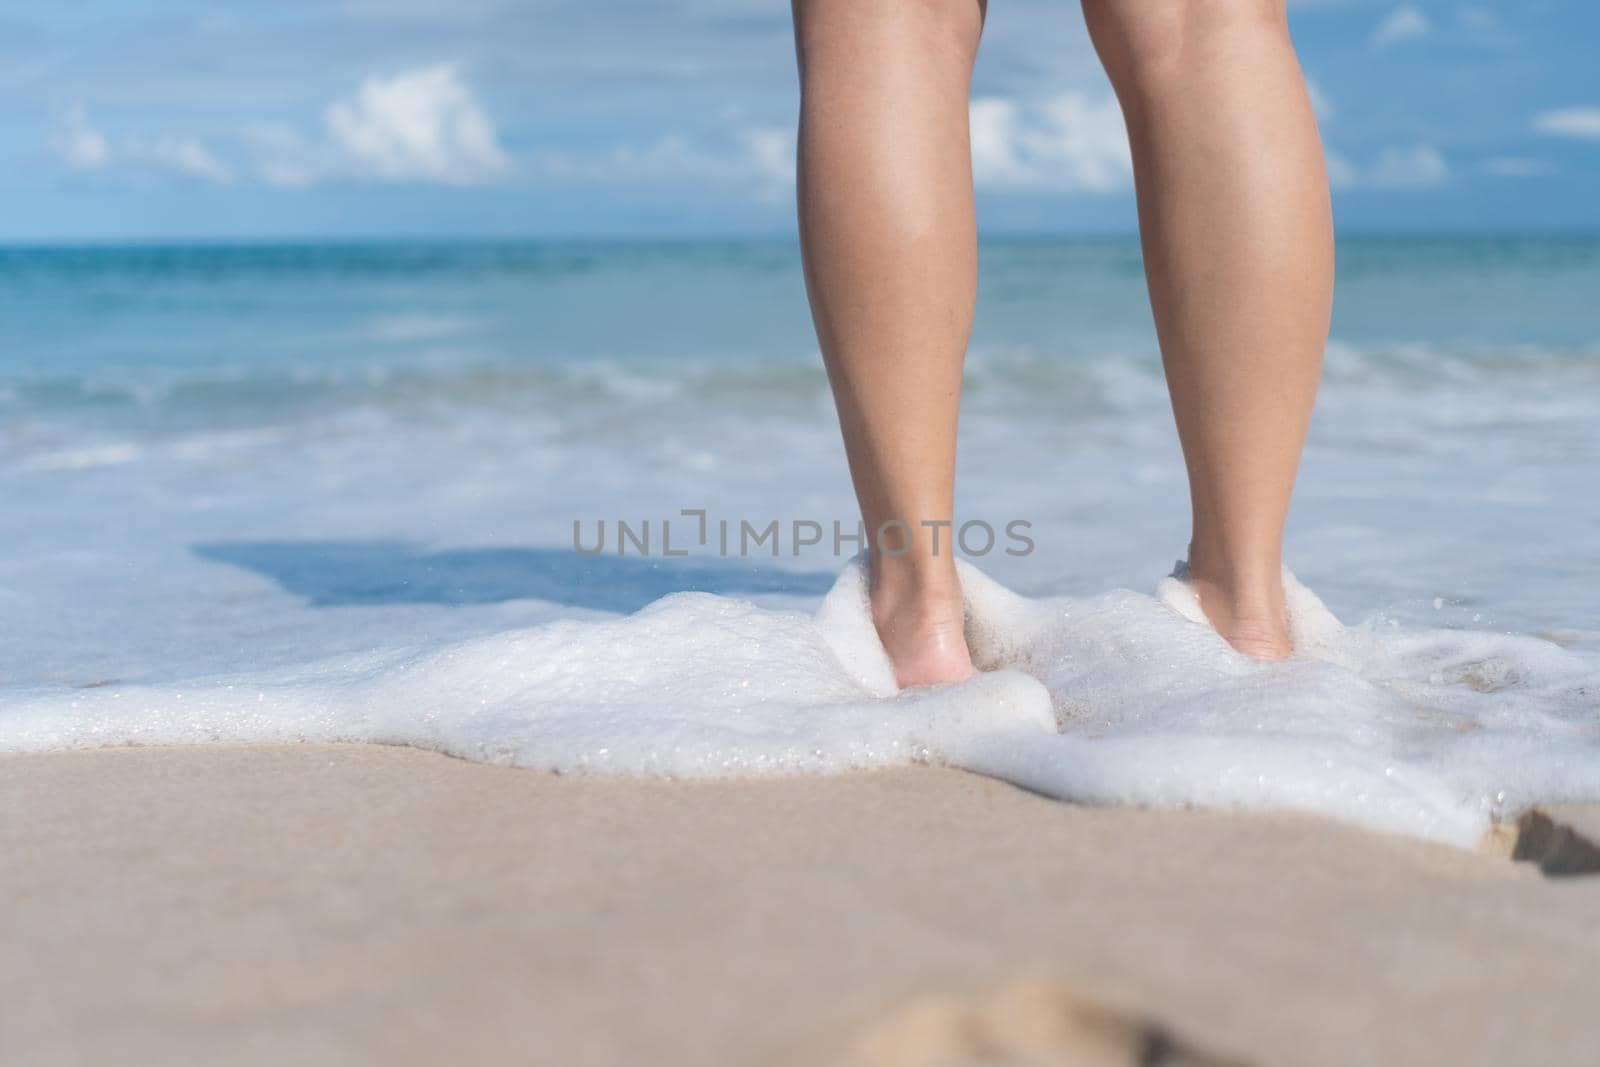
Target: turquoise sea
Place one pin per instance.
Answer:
(295, 464)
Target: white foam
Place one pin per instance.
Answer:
(1120, 698)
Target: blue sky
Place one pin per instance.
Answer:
(173, 119)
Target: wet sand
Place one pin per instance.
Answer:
(352, 904)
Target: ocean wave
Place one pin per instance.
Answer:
(1112, 699)
(1085, 381)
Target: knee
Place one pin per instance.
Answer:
(1145, 43)
(867, 29)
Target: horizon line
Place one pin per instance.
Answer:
(156, 241)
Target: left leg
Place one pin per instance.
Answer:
(1238, 246)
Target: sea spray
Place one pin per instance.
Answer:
(1121, 698)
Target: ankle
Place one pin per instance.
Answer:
(1252, 584)
(1250, 613)
(1249, 600)
(1254, 601)
(904, 583)
(1261, 641)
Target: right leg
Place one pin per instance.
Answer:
(890, 246)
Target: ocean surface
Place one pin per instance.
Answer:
(330, 492)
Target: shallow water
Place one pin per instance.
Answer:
(330, 492)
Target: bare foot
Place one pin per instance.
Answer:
(924, 632)
(1255, 622)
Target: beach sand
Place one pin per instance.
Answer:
(355, 904)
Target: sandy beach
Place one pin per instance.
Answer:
(818, 535)
(362, 904)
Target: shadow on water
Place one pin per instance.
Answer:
(337, 573)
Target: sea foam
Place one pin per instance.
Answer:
(1121, 698)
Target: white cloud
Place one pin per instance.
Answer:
(420, 125)
(773, 152)
(1419, 167)
(1070, 141)
(281, 155)
(1516, 167)
(1580, 122)
(993, 123)
(187, 156)
(83, 147)
(757, 158)
(1401, 24)
(1320, 103)
(78, 143)
(1342, 174)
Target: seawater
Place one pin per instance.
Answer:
(328, 492)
